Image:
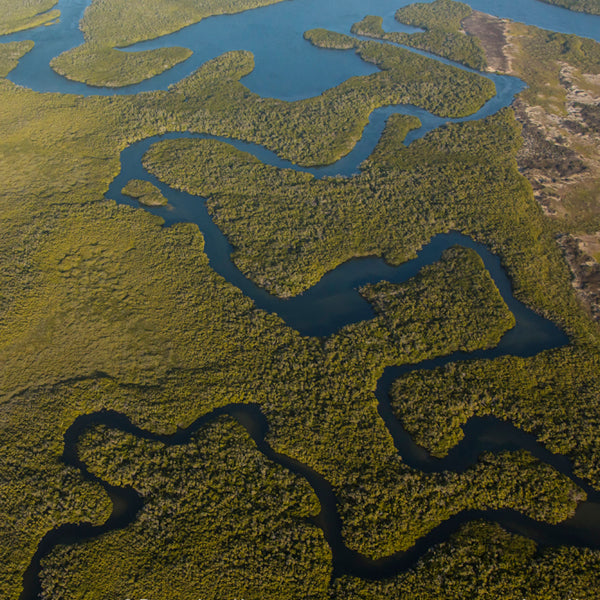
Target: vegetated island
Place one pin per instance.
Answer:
(443, 35)
(101, 66)
(111, 24)
(144, 192)
(322, 129)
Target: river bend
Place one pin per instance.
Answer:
(290, 68)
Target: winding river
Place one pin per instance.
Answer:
(290, 68)
(481, 434)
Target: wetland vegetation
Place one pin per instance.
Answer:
(107, 67)
(484, 561)
(443, 35)
(144, 192)
(10, 53)
(588, 6)
(17, 16)
(555, 393)
(228, 523)
(111, 24)
(103, 308)
(402, 197)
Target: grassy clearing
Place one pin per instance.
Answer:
(538, 57)
(581, 203)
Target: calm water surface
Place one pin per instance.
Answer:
(287, 66)
(290, 68)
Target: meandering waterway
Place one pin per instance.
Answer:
(290, 68)
(489, 434)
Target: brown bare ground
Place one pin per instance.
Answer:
(492, 33)
(560, 155)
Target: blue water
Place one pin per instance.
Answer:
(287, 66)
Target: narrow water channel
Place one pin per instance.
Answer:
(487, 434)
(290, 68)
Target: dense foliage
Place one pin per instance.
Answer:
(113, 23)
(117, 23)
(588, 6)
(144, 192)
(554, 395)
(10, 53)
(102, 66)
(443, 34)
(444, 15)
(321, 129)
(463, 176)
(459, 289)
(483, 561)
(101, 307)
(393, 59)
(405, 505)
(219, 522)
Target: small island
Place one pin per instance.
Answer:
(144, 192)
